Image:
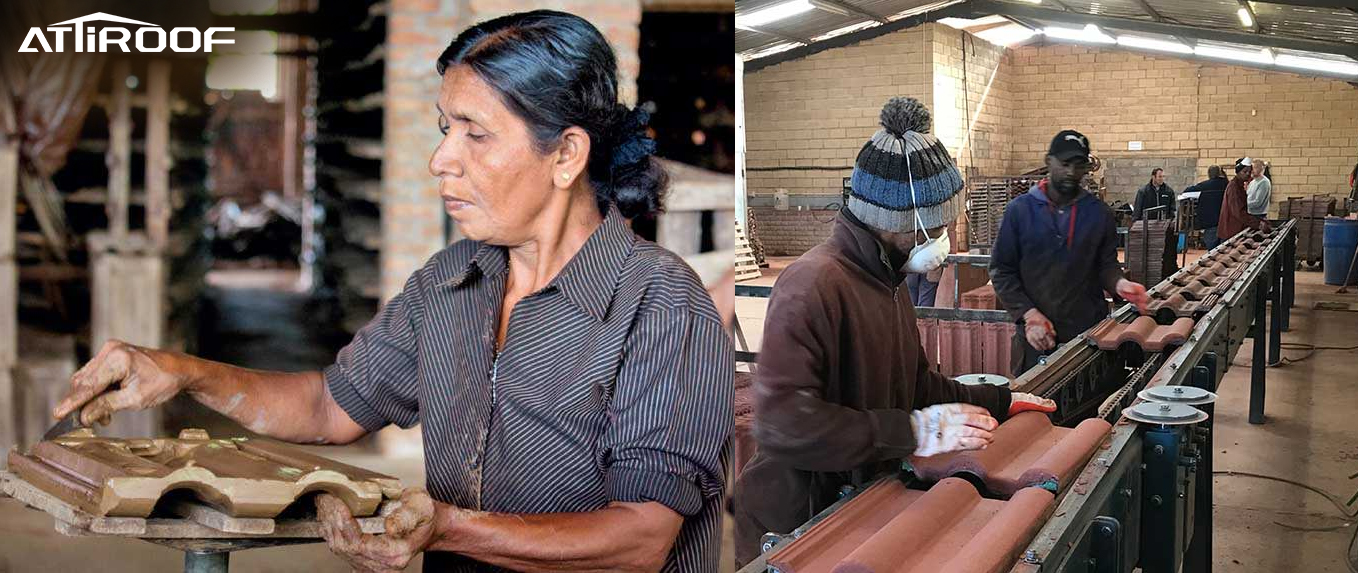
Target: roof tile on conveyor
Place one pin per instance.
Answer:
(1168, 309)
(1027, 450)
(892, 529)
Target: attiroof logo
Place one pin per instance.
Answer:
(147, 38)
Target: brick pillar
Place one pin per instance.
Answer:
(417, 32)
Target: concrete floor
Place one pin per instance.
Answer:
(1310, 435)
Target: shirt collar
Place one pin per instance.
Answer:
(588, 279)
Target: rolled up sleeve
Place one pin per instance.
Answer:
(375, 378)
(672, 413)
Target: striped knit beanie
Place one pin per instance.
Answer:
(901, 153)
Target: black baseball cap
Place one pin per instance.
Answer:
(1069, 144)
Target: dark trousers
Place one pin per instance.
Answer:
(922, 290)
(1209, 237)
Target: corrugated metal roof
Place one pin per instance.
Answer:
(1330, 31)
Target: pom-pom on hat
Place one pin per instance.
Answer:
(901, 154)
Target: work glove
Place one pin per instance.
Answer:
(1134, 293)
(1024, 402)
(1038, 330)
(944, 428)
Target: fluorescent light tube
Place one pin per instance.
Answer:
(1090, 33)
(1152, 44)
(773, 13)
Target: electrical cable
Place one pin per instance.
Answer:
(1349, 559)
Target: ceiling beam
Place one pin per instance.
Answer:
(1336, 4)
(1150, 11)
(979, 8)
(779, 35)
(845, 9)
(959, 10)
(1257, 27)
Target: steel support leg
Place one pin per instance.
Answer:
(1162, 509)
(1289, 278)
(1199, 556)
(199, 562)
(1275, 335)
(1258, 365)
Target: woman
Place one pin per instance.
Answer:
(573, 382)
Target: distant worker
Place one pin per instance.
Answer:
(1259, 191)
(1209, 193)
(1234, 216)
(1055, 255)
(1154, 194)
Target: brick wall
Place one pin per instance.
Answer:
(819, 110)
(792, 232)
(1307, 127)
(972, 106)
(1124, 175)
(417, 32)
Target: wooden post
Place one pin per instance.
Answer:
(158, 153)
(9, 292)
(119, 156)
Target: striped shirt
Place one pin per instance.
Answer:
(614, 384)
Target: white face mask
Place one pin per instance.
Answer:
(929, 255)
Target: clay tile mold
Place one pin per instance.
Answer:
(1028, 451)
(891, 529)
(241, 477)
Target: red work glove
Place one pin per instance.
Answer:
(1023, 402)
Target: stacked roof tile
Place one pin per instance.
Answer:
(1027, 451)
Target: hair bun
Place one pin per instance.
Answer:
(902, 114)
(633, 142)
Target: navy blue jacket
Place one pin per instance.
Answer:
(1058, 260)
(1211, 192)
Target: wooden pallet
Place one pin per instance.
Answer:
(193, 520)
(746, 267)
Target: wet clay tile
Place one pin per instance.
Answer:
(1028, 450)
(1196, 291)
(1109, 334)
(1170, 308)
(241, 477)
(948, 529)
(1164, 336)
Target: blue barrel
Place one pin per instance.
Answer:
(1341, 239)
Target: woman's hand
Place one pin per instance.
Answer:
(409, 530)
(120, 377)
(944, 428)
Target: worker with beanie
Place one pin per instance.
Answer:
(843, 390)
(1055, 256)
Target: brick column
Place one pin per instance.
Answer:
(417, 32)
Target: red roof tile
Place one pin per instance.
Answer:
(948, 529)
(1028, 450)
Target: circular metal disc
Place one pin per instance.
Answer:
(979, 379)
(1190, 395)
(1164, 413)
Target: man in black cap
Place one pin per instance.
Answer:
(1055, 255)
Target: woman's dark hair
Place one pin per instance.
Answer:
(1214, 171)
(555, 70)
